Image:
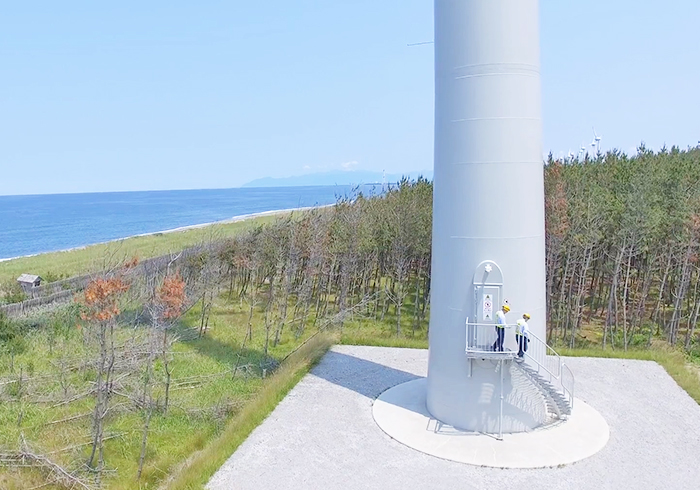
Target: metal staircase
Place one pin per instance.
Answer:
(547, 369)
(557, 406)
(541, 365)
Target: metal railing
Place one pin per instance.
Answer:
(567, 383)
(481, 338)
(551, 367)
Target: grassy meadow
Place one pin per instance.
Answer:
(45, 402)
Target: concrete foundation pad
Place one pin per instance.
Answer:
(323, 434)
(401, 413)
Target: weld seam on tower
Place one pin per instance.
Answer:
(495, 238)
(498, 74)
(505, 63)
(497, 118)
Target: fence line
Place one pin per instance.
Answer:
(64, 289)
(30, 304)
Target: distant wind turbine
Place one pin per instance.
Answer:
(596, 142)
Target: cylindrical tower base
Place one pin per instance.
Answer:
(479, 404)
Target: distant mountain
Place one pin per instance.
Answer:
(338, 177)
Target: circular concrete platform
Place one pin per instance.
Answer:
(401, 413)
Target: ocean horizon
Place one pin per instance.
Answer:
(35, 224)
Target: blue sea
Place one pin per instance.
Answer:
(46, 223)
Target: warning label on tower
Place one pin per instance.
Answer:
(488, 307)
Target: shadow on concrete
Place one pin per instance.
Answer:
(360, 375)
(371, 379)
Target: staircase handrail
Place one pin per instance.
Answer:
(568, 391)
(548, 360)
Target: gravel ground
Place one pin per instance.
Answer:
(323, 436)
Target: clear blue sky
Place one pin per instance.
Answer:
(99, 96)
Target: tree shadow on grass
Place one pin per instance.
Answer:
(227, 354)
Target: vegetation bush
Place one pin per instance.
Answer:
(11, 292)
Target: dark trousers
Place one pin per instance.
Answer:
(522, 345)
(500, 336)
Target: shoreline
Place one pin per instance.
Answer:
(234, 219)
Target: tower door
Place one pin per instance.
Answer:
(488, 298)
(488, 291)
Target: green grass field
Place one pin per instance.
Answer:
(202, 464)
(204, 397)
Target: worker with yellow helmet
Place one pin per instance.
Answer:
(522, 334)
(501, 327)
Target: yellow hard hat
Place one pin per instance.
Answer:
(526, 316)
(506, 308)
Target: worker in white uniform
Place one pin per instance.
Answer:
(522, 334)
(500, 328)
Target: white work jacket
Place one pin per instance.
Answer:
(500, 319)
(521, 328)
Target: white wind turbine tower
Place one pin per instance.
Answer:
(582, 152)
(596, 142)
(484, 134)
